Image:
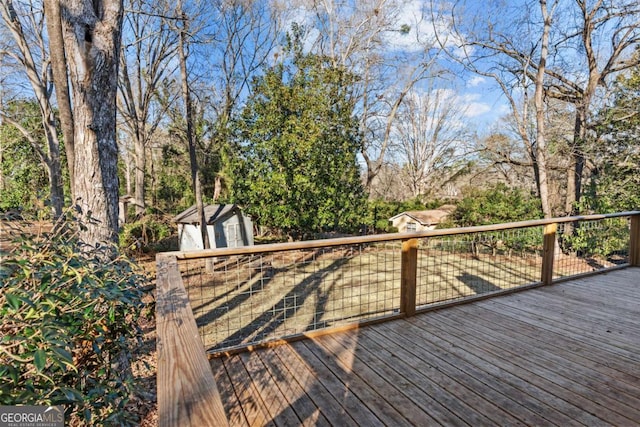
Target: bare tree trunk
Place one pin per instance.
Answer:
(93, 46)
(54, 168)
(61, 82)
(195, 172)
(39, 84)
(576, 165)
(140, 167)
(146, 61)
(541, 145)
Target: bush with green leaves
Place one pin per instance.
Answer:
(68, 324)
(606, 239)
(145, 235)
(494, 205)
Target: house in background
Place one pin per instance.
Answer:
(421, 220)
(227, 227)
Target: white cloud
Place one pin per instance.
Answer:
(475, 109)
(475, 81)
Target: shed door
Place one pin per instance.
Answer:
(234, 237)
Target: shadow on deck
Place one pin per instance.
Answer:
(564, 354)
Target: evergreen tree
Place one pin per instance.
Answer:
(616, 176)
(23, 179)
(297, 142)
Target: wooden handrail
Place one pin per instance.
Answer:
(187, 391)
(390, 237)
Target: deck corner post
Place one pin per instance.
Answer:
(408, 279)
(634, 241)
(548, 253)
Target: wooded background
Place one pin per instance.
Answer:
(318, 116)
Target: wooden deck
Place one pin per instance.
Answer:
(565, 354)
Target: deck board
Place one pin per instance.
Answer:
(566, 354)
(581, 382)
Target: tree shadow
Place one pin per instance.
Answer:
(256, 284)
(277, 314)
(477, 283)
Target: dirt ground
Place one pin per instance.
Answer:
(145, 367)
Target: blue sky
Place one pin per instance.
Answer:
(479, 97)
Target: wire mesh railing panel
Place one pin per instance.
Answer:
(240, 300)
(243, 300)
(590, 246)
(456, 267)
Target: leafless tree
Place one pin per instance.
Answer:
(182, 28)
(61, 81)
(538, 99)
(601, 39)
(518, 65)
(30, 51)
(568, 50)
(244, 40)
(389, 53)
(148, 53)
(431, 135)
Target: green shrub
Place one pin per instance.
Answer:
(602, 238)
(494, 205)
(68, 322)
(145, 235)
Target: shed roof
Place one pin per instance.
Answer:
(427, 217)
(212, 214)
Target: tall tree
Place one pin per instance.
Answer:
(538, 99)
(61, 81)
(31, 52)
(588, 44)
(244, 40)
(190, 135)
(149, 48)
(298, 139)
(511, 46)
(92, 34)
(430, 134)
(385, 43)
(602, 42)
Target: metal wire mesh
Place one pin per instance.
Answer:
(249, 299)
(246, 299)
(456, 267)
(589, 246)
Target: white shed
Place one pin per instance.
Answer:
(227, 227)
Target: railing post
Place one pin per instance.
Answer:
(634, 241)
(548, 253)
(408, 272)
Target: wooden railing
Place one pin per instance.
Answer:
(187, 393)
